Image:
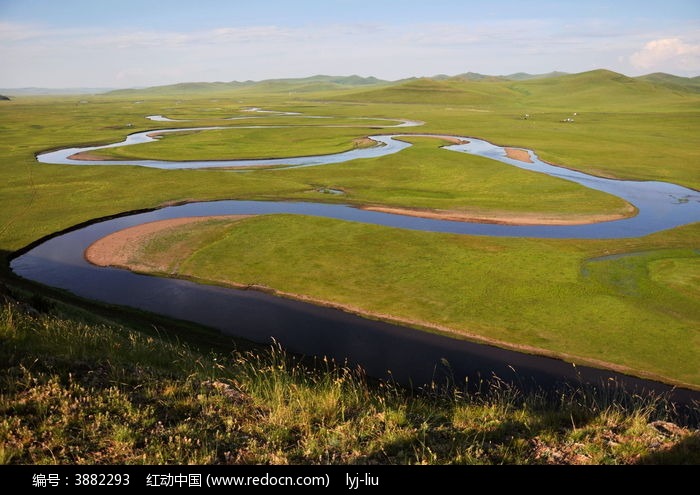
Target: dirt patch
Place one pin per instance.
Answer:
(87, 155)
(118, 249)
(504, 218)
(520, 155)
(454, 140)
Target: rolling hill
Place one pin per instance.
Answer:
(443, 92)
(600, 90)
(297, 85)
(597, 90)
(673, 82)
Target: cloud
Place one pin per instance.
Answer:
(46, 55)
(668, 54)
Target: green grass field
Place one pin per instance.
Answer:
(552, 295)
(626, 128)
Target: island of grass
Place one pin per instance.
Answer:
(237, 143)
(563, 298)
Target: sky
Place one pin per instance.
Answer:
(128, 43)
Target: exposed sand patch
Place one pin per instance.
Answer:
(506, 218)
(520, 155)
(454, 140)
(119, 248)
(87, 155)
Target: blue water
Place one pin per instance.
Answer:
(660, 205)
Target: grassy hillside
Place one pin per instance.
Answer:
(75, 390)
(598, 90)
(673, 82)
(430, 91)
(303, 85)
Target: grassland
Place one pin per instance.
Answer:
(79, 390)
(563, 300)
(511, 291)
(637, 143)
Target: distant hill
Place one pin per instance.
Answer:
(297, 85)
(452, 91)
(53, 91)
(182, 88)
(523, 76)
(475, 76)
(599, 90)
(353, 80)
(673, 82)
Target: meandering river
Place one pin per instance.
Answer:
(382, 349)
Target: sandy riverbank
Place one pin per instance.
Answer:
(120, 248)
(87, 156)
(505, 218)
(518, 154)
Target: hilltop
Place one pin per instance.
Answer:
(596, 90)
(304, 84)
(673, 82)
(468, 82)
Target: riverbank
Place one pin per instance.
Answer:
(506, 218)
(122, 248)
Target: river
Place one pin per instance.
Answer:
(384, 350)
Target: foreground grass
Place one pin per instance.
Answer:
(73, 391)
(556, 296)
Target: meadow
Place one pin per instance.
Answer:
(544, 296)
(639, 312)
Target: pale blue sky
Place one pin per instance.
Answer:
(71, 43)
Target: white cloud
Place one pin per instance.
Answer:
(668, 54)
